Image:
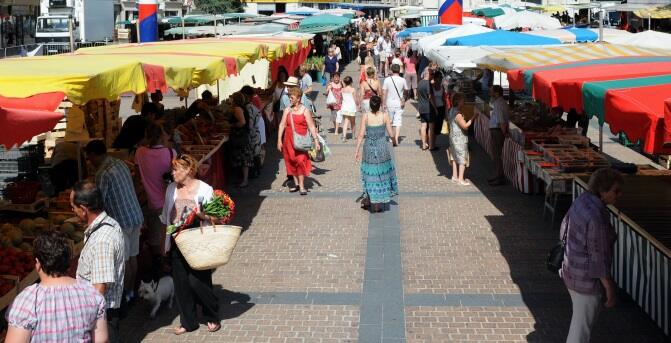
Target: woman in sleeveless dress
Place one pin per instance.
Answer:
(378, 174)
(458, 151)
(350, 105)
(368, 88)
(296, 117)
(335, 87)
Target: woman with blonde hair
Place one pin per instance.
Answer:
(368, 88)
(296, 119)
(184, 195)
(458, 151)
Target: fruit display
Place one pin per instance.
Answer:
(16, 262)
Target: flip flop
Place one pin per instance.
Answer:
(215, 329)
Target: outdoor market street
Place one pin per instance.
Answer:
(447, 263)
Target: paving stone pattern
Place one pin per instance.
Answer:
(446, 263)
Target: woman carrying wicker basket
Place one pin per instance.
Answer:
(182, 197)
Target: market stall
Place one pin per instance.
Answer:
(87, 85)
(642, 252)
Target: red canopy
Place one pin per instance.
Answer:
(44, 101)
(20, 125)
(640, 113)
(563, 87)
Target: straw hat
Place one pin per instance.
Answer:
(291, 82)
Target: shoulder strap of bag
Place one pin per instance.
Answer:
(565, 235)
(396, 88)
(371, 87)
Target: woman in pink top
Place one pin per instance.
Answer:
(58, 308)
(410, 63)
(154, 161)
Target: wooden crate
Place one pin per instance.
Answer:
(28, 280)
(7, 299)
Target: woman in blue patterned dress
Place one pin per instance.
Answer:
(378, 174)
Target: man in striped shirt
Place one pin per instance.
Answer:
(101, 261)
(114, 181)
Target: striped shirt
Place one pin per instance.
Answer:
(102, 258)
(116, 184)
(66, 313)
(589, 244)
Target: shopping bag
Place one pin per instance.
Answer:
(445, 130)
(330, 99)
(325, 148)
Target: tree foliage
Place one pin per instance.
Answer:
(219, 6)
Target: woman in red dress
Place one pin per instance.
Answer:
(297, 162)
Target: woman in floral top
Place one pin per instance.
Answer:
(59, 308)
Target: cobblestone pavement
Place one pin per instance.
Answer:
(446, 263)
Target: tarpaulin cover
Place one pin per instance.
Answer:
(527, 19)
(569, 95)
(20, 125)
(44, 101)
(424, 29)
(501, 38)
(567, 35)
(323, 20)
(633, 106)
(521, 79)
(535, 57)
(427, 43)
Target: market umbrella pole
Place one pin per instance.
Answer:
(600, 137)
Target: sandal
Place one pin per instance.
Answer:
(294, 190)
(180, 331)
(214, 328)
(304, 192)
(464, 183)
(454, 180)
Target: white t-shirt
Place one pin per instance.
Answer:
(390, 85)
(338, 53)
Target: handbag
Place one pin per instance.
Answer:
(317, 155)
(556, 255)
(301, 142)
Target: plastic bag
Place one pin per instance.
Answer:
(330, 99)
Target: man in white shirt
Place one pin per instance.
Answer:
(498, 129)
(394, 91)
(398, 60)
(386, 54)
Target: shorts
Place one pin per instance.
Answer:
(154, 232)
(411, 80)
(396, 116)
(426, 118)
(131, 241)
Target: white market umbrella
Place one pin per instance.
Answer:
(527, 19)
(427, 43)
(474, 20)
(645, 39)
(612, 35)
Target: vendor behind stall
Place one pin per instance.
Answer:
(198, 107)
(133, 129)
(64, 171)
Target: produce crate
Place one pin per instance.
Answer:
(6, 300)
(28, 280)
(37, 206)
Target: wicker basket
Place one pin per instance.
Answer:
(208, 247)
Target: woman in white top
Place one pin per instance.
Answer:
(192, 286)
(350, 105)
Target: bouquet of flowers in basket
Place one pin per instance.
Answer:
(221, 207)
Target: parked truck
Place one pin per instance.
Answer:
(89, 20)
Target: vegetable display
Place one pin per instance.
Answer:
(221, 207)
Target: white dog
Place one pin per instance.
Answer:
(157, 293)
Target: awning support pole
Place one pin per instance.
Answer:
(600, 137)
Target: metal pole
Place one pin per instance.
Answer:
(649, 22)
(600, 137)
(137, 26)
(72, 38)
(183, 34)
(215, 28)
(600, 25)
